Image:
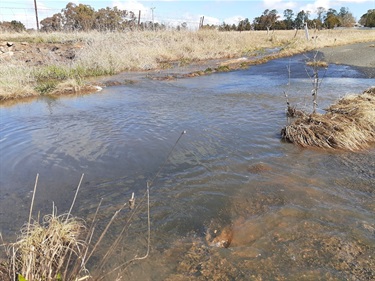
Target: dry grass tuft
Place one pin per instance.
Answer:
(349, 125)
(321, 64)
(51, 250)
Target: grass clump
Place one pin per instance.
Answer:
(314, 63)
(46, 87)
(59, 247)
(349, 124)
(50, 250)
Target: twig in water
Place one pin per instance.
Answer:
(75, 196)
(32, 202)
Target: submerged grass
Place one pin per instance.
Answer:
(110, 53)
(349, 124)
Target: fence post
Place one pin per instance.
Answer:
(307, 32)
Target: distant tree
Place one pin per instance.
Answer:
(289, 18)
(53, 23)
(331, 19)
(244, 25)
(346, 18)
(109, 19)
(301, 18)
(280, 25)
(368, 19)
(209, 27)
(320, 11)
(12, 26)
(183, 26)
(315, 23)
(80, 18)
(266, 20)
(318, 22)
(224, 27)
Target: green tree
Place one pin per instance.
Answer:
(224, 27)
(244, 25)
(331, 19)
(79, 18)
(289, 18)
(53, 23)
(368, 19)
(111, 19)
(266, 20)
(301, 18)
(12, 26)
(320, 11)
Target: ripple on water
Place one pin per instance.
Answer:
(289, 212)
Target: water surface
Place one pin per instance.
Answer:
(292, 213)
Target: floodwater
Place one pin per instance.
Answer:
(282, 212)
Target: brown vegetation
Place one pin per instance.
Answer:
(349, 124)
(36, 63)
(52, 250)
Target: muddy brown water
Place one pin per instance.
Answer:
(286, 213)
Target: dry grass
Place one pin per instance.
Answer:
(52, 250)
(16, 81)
(349, 124)
(111, 53)
(314, 63)
(59, 247)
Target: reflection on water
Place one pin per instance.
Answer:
(289, 213)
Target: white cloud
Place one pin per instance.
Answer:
(211, 20)
(279, 4)
(234, 19)
(130, 5)
(318, 3)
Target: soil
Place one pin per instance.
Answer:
(360, 55)
(36, 54)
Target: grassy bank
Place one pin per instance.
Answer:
(98, 54)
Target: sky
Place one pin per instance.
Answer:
(173, 12)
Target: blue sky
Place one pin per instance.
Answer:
(178, 11)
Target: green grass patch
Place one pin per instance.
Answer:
(222, 68)
(46, 87)
(52, 72)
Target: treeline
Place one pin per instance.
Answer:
(85, 18)
(327, 19)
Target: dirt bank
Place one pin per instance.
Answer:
(360, 55)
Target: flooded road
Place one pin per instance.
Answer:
(285, 213)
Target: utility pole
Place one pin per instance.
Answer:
(36, 16)
(152, 12)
